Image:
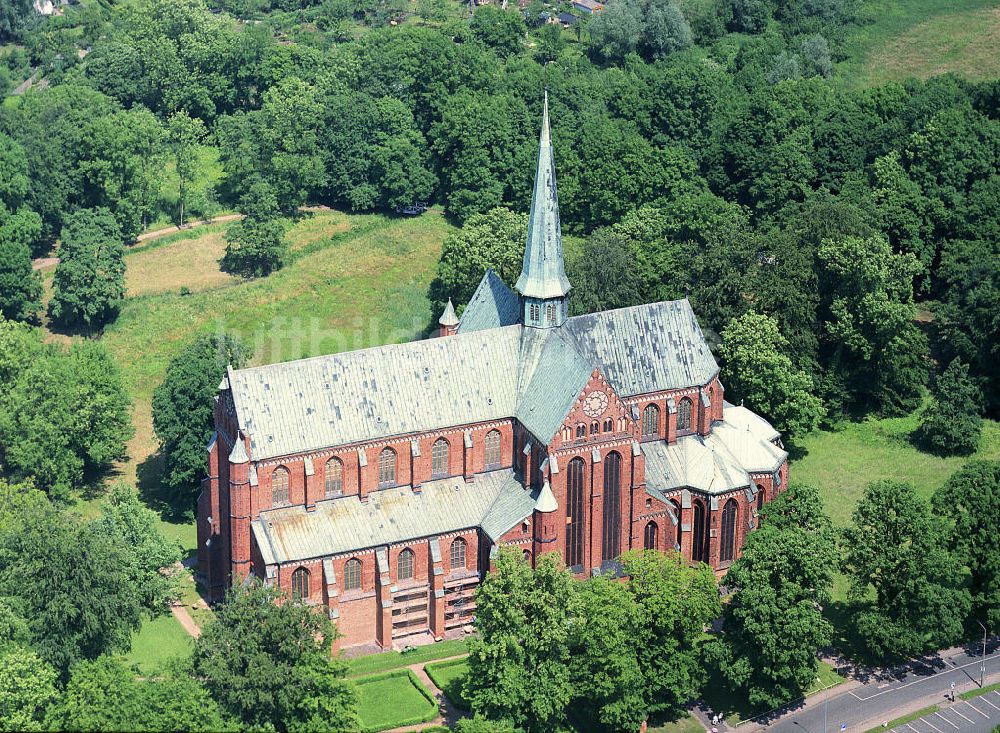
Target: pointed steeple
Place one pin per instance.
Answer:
(448, 322)
(543, 282)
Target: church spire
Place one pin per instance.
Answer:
(543, 284)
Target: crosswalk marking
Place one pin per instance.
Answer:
(977, 709)
(947, 721)
(960, 715)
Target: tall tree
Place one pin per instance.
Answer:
(895, 548)
(877, 353)
(20, 285)
(520, 668)
(182, 412)
(89, 284)
(952, 424)
(970, 500)
(493, 240)
(758, 370)
(255, 245)
(502, 31)
(184, 135)
(69, 581)
(270, 664)
(27, 688)
(603, 274)
(774, 625)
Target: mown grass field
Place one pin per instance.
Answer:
(158, 641)
(449, 677)
(922, 38)
(392, 700)
(395, 660)
(842, 463)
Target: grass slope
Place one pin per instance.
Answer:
(352, 282)
(921, 38)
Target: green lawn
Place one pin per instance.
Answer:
(449, 677)
(921, 38)
(392, 700)
(969, 694)
(395, 660)
(158, 641)
(842, 463)
(685, 724)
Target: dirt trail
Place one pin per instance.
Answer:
(185, 620)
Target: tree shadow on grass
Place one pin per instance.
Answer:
(157, 496)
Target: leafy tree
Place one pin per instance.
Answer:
(896, 549)
(952, 424)
(616, 32)
(758, 370)
(970, 500)
(182, 412)
(494, 240)
(675, 603)
(106, 695)
(550, 42)
(520, 663)
(607, 679)
(816, 53)
(269, 664)
(13, 16)
(65, 415)
(121, 166)
(89, 284)
(603, 275)
(500, 30)
(69, 581)
(877, 353)
(968, 319)
(665, 29)
(20, 286)
(129, 522)
(774, 624)
(255, 246)
(27, 688)
(184, 134)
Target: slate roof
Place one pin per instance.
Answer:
(496, 502)
(492, 305)
(509, 371)
(543, 274)
(354, 396)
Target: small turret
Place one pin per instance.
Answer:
(448, 322)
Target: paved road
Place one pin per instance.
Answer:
(891, 694)
(978, 715)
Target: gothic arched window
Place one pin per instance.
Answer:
(387, 467)
(333, 477)
(595, 428)
(581, 431)
(761, 497)
(352, 574)
(493, 449)
(680, 526)
(574, 512)
(684, 414)
(404, 565)
(650, 537)
(550, 314)
(727, 546)
(650, 421)
(300, 584)
(458, 554)
(439, 457)
(698, 549)
(279, 486)
(611, 545)
(608, 424)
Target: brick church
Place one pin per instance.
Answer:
(379, 483)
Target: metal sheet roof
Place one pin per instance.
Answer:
(372, 393)
(559, 376)
(495, 501)
(646, 348)
(700, 463)
(748, 437)
(491, 306)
